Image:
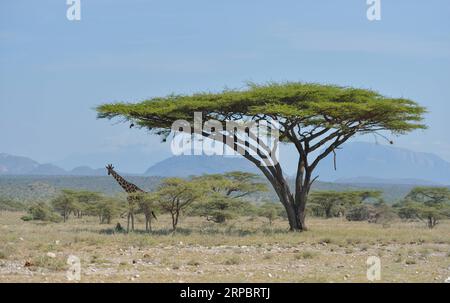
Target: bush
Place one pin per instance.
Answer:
(360, 213)
(218, 208)
(270, 211)
(42, 212)
(27, 218)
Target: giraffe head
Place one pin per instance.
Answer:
(110, 168)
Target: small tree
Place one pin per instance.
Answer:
(176, 195)
(270, 210)
(64, 204)
(107, 209)
(428, 204)
(84, 200)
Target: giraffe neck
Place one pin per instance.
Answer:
(127, 186)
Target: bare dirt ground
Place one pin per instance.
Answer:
(243, 250)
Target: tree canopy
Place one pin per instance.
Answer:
(316, 118)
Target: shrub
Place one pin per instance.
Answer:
(360, 213)
(42, 212)
(232, 261)
(270, 211)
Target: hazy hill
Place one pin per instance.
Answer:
(10, 164)
(17, 165)
(379, 164)
(385, 162)
(184, 166)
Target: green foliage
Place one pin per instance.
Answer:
(305, 103)
(270, 211)
(11, 205)
(234, 184)
(430, 196)
(176, 195)
(84, 202)
(107, 209)
(222, 197)
(44, 188)
(218, 208)
(42, 212)
(65, 203)
(428, 204)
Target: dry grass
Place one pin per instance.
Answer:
(241, 251)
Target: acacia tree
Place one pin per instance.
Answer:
(270, 211)
(426, 204)
(316, 118)
(175, 195)
(64, 203)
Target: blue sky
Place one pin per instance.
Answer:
(53, 71)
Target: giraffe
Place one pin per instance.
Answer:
(131, 189)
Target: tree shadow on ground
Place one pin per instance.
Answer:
(230, 231)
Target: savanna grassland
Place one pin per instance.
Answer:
(242, 250)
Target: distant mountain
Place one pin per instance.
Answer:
(17, 165)
(132, 158)
(357, 163)
(184, 166)
(384, 162)
(372, 180)
(378, 164)
(47, 170)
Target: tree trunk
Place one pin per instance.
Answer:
(174, 225)
(431, 222)
(295, 208)
(128, 222)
